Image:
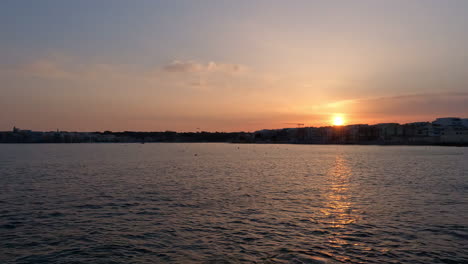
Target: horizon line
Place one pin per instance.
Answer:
(205, 131)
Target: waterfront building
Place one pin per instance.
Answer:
(448, 121)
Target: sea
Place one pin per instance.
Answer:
(232, 203)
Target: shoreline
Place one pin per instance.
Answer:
(241, 143)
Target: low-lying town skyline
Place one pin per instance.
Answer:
(336, 121)
(441, 131)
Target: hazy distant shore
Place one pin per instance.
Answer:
(448, 131)
(244, 143)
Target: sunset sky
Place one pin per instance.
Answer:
(224, 65)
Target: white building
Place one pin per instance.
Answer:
(454, 135)
(448, 121)
(465, 122)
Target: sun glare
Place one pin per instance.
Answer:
(338, 120)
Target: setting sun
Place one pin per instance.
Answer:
(338, 120)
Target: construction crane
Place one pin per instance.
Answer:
(299, 125)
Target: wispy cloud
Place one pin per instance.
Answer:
(417, 104)
(196, 67)
(401, 108)
(197, 76)
(46, 69)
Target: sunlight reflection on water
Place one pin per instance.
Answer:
(339, 207)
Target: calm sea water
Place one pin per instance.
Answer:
(228, 203)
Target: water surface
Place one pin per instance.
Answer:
(228, 203)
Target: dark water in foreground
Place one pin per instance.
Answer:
(158, 203)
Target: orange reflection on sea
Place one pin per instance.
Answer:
(337, 211)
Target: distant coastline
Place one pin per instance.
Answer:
(248, 143)
(448, 131)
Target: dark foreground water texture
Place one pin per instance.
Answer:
(228, 203)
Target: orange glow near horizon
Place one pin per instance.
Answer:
(338, 120)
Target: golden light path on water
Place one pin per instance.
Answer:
(338, 210)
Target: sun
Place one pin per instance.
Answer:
(338, 120)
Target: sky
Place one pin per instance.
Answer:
(221, 65)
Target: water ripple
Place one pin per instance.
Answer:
(158, 203)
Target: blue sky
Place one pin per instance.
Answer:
(242, 65)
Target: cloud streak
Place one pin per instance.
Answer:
(401, 108)
(197, 67)
(46, 69)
